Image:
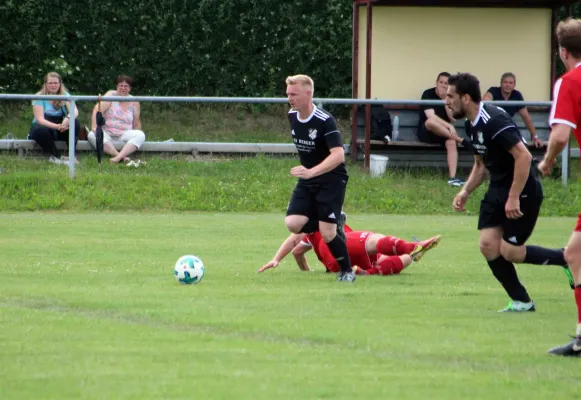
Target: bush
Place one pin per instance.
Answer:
(206, 48)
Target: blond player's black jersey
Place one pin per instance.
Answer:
(314, 137)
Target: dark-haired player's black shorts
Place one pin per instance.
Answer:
(322, 200)
(516, 231)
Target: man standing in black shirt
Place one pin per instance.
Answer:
(509, 210)
(317, 200)
(435, 126)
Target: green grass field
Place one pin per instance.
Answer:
(89, 309)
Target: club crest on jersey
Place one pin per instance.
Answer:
(312, 133)
(480, 137)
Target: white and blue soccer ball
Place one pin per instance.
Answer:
(189, 270)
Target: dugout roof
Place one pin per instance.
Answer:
(472, 3)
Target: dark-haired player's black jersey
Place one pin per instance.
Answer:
(493, 134)
(313, 138)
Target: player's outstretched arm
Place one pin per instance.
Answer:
(558, 139)
(299, 254)
(522, 167)
(474, 180)
(286, 247)
(476, 176)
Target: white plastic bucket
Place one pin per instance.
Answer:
(377, 165)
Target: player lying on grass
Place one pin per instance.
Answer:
(370, 253)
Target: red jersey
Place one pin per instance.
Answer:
(566, 108)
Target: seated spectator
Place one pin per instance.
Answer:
(435, 126)
(51, 119)
(122, 122)
(507, 92)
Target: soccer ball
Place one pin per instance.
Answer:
(189, 270)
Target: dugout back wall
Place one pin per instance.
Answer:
(411, 45)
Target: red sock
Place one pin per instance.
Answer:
(578, 301)
(392, 246)
(388, 266)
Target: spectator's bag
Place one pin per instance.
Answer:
(381, 126)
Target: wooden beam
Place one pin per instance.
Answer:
(355, 80)
(368, 87)
(553, 51)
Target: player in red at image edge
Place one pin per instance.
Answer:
(566, 115)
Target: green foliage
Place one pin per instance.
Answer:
(176, 47)
(215, 184)
(575, 11)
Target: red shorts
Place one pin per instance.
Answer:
(578, 226)
(356, 241)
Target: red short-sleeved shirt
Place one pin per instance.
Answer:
(566, 107)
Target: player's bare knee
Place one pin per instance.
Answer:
(328, 231)
(490, 249)
(328, 235)
(573, 257)
(512, 253)
(293, 224)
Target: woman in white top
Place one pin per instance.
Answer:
(122, 122)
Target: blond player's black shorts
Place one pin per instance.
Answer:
(321, 200)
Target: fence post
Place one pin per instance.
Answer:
(72, 143)
(565, 154)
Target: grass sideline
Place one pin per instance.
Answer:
(90, 310)
(236, 184)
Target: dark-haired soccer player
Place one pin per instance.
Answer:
(510, 208)
(566, 115)
(317, 200)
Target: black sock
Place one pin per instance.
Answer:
(311, 226)
(505, 273)
(543, 256)
(339, 250)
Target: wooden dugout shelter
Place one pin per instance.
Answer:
(428, 37)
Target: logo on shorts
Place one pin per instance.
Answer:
(293, 132)
(512, 239)
(332, 216)
(480, 137)
(312, 133)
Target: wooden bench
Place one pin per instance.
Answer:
(194, 148)
(409, 152)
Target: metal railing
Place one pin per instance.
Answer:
(258, 100)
